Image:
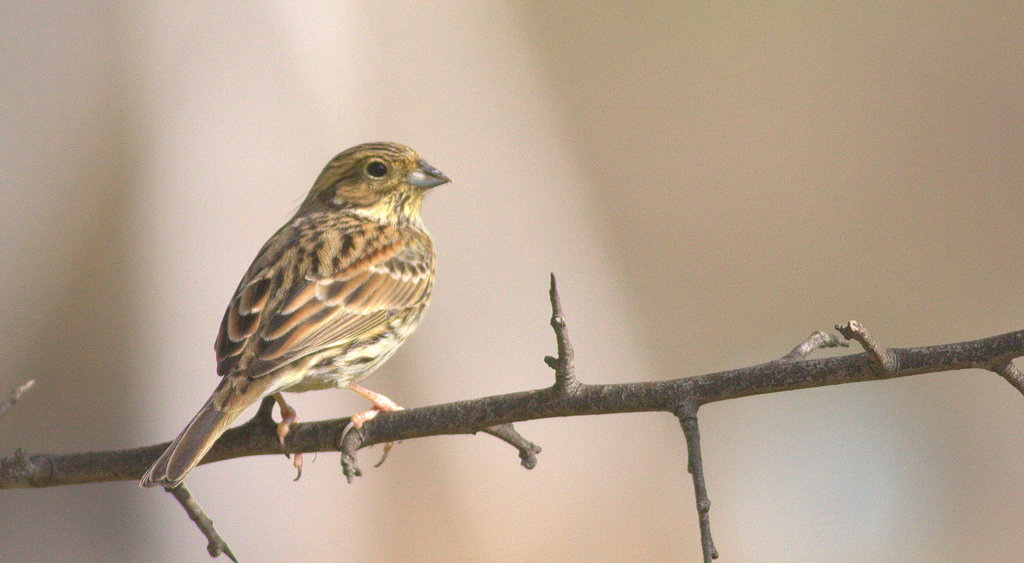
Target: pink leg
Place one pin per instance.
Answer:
(288, 417)
(380, 404)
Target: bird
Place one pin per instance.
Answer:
(328, 299)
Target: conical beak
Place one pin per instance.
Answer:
(426, 176)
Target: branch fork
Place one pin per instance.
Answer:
(881, 361)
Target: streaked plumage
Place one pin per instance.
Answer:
(328, 298)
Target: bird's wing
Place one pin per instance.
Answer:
(325, 288)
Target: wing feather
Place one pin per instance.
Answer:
(345, 285)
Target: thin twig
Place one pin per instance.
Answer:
(12, 399)
(817, 339)
(882, 362)
(564, 365)
(527, 450)
(216, 544)
(354, 439)
(687, 415)
(1010, 373)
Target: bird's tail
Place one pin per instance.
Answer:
(188, 449)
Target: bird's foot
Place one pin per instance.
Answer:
(380, 404)
(288, 417)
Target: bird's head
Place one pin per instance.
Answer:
(382, 181)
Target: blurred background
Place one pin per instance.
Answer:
(710, 183)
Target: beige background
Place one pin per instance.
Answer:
(710, 184)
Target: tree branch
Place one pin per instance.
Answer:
(258, 437)
(681, 397)
(216, 544)
(687, 415)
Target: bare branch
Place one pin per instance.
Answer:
(258, 435)
(687, 415)
(216, 544)
(567, 397)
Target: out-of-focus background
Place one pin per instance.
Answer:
(711, 183)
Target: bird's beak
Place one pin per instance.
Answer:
(426, 176)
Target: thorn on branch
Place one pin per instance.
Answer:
(15, 395)
(687, 415)
(353, 439)
(881, 360)
(216, 544)
(817, 339)
(564, 365)
(350, 441)
(527, 450)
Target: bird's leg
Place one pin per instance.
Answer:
(288, 416)
(380, 404)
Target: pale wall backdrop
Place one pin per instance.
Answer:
(710, 183)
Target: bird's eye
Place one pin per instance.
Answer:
(377, 169)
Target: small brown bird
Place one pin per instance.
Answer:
(327, 300)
